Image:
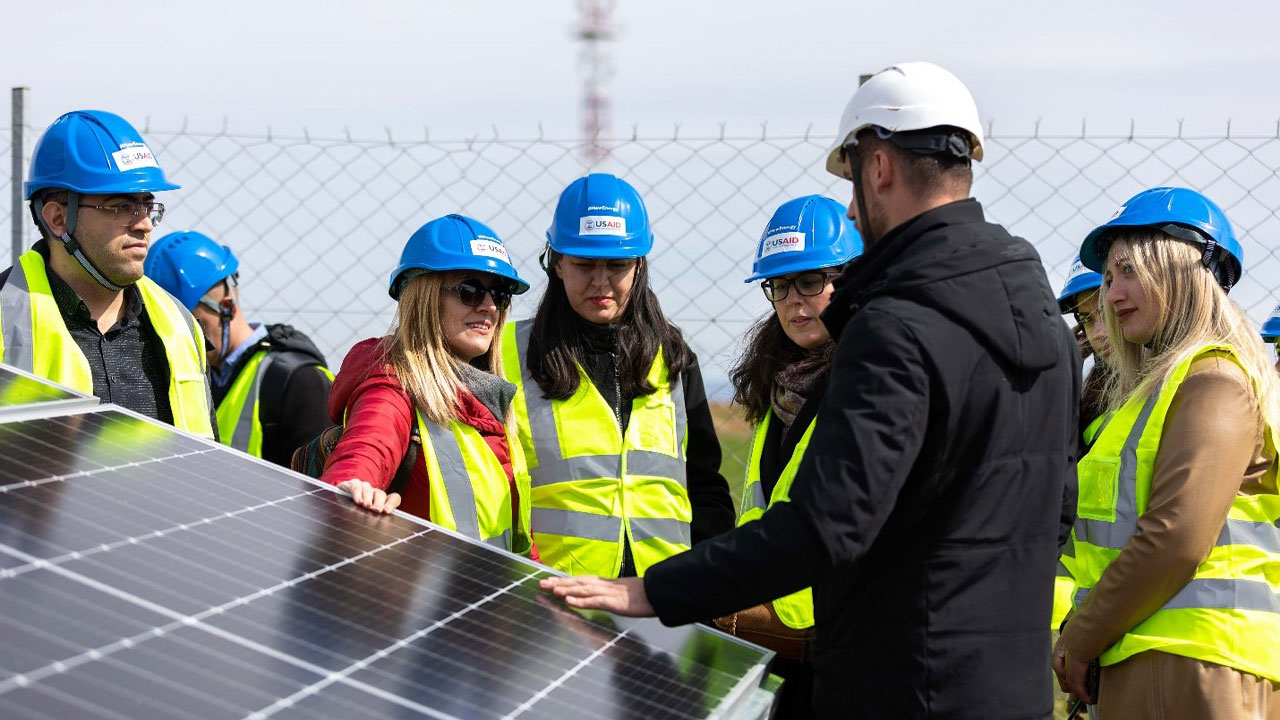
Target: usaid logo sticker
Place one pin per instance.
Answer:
(603, 225)
(1116, 214)
(1275, 313)
(490, 248)
(781, 242)
(133, 156)
(1077, 269)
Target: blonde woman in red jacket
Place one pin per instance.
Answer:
(438, 370)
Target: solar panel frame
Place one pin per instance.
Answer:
(231, 624)
(24, 395)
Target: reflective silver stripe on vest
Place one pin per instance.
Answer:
(668, 529)
(755, 499)
(571, 523)
(1114, 535)
(1217, 593)
(1262, 535)
(15, 314)
(244, 424)
(655, 464)
(456, 479)
(502, 542)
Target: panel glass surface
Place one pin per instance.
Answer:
(149, 573)
(19, 389)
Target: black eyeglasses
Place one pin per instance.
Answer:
(472, 292)
(807, 284)
(129, 213)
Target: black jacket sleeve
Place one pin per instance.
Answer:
(713, 511)
(304, 413)
(870, 428)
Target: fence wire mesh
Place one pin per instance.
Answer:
(318, 222)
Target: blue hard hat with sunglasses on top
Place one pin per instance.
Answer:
(457, 242)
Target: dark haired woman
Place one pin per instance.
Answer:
(610, 406)
(779, 381)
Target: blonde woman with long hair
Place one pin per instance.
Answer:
(1176, 550)
(438, 371)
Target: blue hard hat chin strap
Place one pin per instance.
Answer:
(72, 245)
(226, 309)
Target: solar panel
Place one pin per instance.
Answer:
(148, 573)
(20, 391)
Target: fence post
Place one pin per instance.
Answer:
(17, 148)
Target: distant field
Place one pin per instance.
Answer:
(735, 445)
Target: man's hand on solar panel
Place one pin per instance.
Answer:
(624, 596)
(367, 496)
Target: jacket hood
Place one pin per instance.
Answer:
(284, 338)
(974, 272)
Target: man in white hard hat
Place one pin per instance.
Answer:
(928, 510)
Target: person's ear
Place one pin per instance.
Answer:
(883, 171)
(55, 216)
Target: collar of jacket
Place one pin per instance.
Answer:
(598, 338)
(866, 277)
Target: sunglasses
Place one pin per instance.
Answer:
(471, 293)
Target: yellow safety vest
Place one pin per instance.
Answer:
(468, 488)
(34, 337)
(1229, 613)
(593, 485)
(794, 610)
(1064, 588)
(239, 419)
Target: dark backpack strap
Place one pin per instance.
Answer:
(401, 479)
(271, 396)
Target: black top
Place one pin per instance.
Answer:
(127, 362)
(926, 513)
(708, 492)
(293, 403)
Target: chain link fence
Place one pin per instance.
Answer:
(318, 222)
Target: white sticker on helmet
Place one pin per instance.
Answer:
(781, 242)
(133, 157)
(490, 248)
(1077, 269)
(603, 225)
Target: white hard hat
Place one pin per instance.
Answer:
(904, 97)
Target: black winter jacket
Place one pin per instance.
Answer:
(928, 509)
(294, 401)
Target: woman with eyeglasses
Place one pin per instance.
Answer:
(1176, 547)
(612, 413)
(438, 371)
(779, 381)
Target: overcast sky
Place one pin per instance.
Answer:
(462, 67)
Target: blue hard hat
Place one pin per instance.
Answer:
(1079, 280)
(187, 264)
(454, 242)
(600, 216)
(1178, 212)
(1271, 328)
(807, 233)
(94, 153)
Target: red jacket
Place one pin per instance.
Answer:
(379, 417)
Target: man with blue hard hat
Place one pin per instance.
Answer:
(270, 383)
(927, 511)
(76, 308)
